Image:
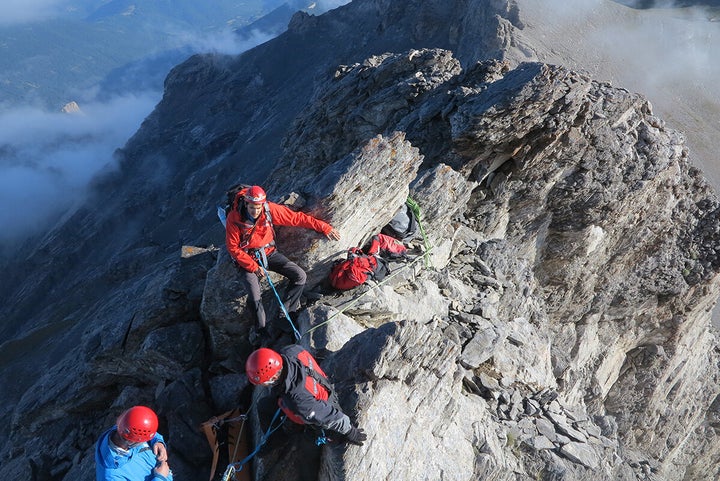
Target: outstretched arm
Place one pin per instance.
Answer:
(317, 412)
(282, 215)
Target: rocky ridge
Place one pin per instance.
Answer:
(591, 294)
(562, 331)
(567, 297)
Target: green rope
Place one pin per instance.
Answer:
(415, 208)
(357, 299)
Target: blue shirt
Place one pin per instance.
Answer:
(137, 465)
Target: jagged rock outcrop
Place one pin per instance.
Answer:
(224, 303)
(559, 331)
(567, 311)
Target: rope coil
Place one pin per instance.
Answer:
(415, 208)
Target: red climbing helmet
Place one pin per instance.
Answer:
(263, 365)
(255, 195)
(138, 424)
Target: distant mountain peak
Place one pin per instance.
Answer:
(71, 108)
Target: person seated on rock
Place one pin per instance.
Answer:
(132, 450)
(305, 394)
(250, 239)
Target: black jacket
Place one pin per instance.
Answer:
(307, 395)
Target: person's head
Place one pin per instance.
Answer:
(137, 425)
(254, 199)
(263, 367)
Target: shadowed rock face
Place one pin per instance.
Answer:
(561, 330)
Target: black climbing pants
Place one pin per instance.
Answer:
(296, 282)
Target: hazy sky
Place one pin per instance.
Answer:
(47, 158)
(50, 156)
(16, 11)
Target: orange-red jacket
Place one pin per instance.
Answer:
(242, 235)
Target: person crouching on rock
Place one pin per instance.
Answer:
(250, 239)
(132, 450)
(305, 394)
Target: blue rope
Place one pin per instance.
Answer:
(282, 305)
(239, 465)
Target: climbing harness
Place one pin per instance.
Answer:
(415, 208)
(232, 468)
(262, 262)
(357, 299)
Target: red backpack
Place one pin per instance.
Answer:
(316, 382)
(356, 269)
(387, 246)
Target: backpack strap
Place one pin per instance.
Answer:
(382, 269)
(323, 381)
(266, 206)
(253, 252)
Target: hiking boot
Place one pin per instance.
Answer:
(313, 295)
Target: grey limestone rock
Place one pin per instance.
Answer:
(560, 328)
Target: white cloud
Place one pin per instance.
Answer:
(325, 5)
(667, 54)
(21, 11)
(663, 50)
(47, 159)
(226, 42)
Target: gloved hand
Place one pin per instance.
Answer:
(356, 436)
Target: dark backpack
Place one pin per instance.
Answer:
(230, 194)
(315, 381)
(356, 270)
(403, 226)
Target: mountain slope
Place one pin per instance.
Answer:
(574, 266)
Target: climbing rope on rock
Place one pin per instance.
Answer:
(372, 288)
(261, 262)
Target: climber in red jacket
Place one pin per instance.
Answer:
(250, 239)
(305, 394)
